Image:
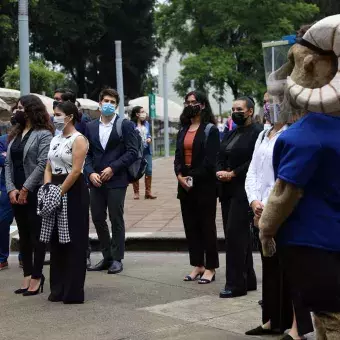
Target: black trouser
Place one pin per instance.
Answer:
(29, 226)
(112, 199)
(68, 261)
(199, 214)
(277, 305)
(314, 277)
(240, 274)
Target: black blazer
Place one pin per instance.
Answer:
(119, 153)
(203, 164)
(238, 158)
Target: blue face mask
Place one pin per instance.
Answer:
(108, 109)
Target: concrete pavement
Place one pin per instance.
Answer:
(148, 301)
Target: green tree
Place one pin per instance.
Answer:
(8, 35)
(149, 84)
(222, 39)
(42, 78)
(80, 35)
(327, 7)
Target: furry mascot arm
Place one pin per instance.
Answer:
(281, 203)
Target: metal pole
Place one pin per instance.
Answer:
(192, 85)
(24, 63)
(153, 135)
(119, 76)
(166, 114)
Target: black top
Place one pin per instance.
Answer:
(203, 164)
(235, 154)
(17, 155)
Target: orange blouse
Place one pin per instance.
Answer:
(188, 144)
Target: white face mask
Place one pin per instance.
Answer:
(267, 126)
(59, 122)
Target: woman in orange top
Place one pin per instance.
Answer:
(195, 166)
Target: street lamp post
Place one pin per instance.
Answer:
(24, 47)
(166, 111)
(119, 76)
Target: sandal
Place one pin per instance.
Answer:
(206, 281)
(188, 278)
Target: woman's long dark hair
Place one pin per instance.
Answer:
(36, 112)
(207, 115)
(134, 112)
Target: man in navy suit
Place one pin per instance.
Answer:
(106, 166)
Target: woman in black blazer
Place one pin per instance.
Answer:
(233, 162)
(195, 167)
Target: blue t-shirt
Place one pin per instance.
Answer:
(308, 156)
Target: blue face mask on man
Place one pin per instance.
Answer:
(108, 109)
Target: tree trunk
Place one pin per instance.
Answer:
(81, 81)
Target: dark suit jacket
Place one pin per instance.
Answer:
(237, 158)
(119, 153)
(203, 165)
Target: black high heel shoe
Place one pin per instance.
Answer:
(21, 291)
(39, 290)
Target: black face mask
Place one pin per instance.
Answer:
(239, 118)
(191, 111)
(13, 121)
(20, 117)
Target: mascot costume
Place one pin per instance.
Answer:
(303, 211)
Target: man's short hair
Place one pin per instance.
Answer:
(109, 92)
(68, 96)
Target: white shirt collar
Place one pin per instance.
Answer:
(284, 128)
(111, 122)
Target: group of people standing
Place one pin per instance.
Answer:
(54, 170)
(239, 172)
(206, 170)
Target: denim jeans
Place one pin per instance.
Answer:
(148, 157)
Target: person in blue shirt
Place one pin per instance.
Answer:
(6, 213)
(303, 210)
(138, 117)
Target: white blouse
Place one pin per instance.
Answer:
(260, 177)
(60, 154)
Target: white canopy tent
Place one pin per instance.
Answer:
(47, 101)
(88, 104)
(5, 110)
(174, 110)
(11, 96)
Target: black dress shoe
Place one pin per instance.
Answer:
(231, 293)
(261, 331)
(116, 267)
(102, 265)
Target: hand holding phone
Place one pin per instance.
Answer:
(189, 181)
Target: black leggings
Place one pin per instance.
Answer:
(29, 226)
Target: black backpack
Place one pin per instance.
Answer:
(137, 169)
